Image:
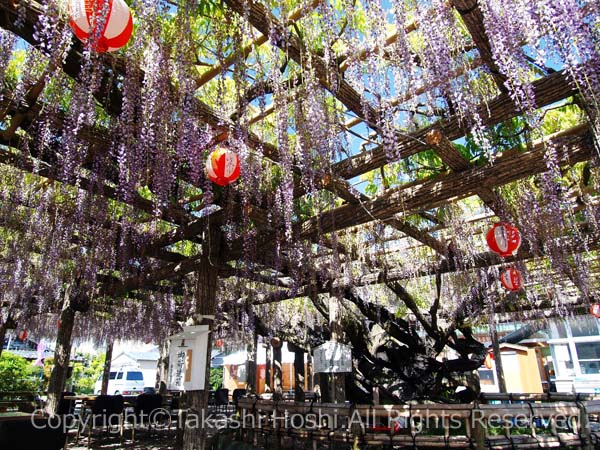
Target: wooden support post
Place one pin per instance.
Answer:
(299, 378)
(162, 367)
(7, 324)
(277, 370)
(3, 329)
(268, 372)
(194, 433)
(309, 372)
(476, 429)
(62, 355)
(106, 371)
(337, 381)
(496, 347)
(251, 380)
(585, 432)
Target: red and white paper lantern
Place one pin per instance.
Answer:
(511, 279)
(23, 335)
(108, 23)
(489, 360)
(223, 166)
(503, 239)
(595, 310)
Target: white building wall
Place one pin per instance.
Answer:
(147, 367)
(122, 360)
(573, 364)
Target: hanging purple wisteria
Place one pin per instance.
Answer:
(118, 203)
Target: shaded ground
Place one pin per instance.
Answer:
(144, 441)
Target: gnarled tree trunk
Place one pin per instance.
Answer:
(106, 371)
(62, 356)
(195, 435)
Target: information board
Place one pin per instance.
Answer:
(332, 357)
(187, 359)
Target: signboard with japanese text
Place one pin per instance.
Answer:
(187, 359)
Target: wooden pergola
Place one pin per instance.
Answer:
(323, 233)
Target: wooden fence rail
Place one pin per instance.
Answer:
(537, 397)
(532, 423)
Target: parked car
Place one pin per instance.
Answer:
(124, 381)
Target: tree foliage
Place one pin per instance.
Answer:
(18, 374)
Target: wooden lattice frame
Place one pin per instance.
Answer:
(465, 180)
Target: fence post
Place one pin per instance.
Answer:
(584, 427)
(475, 427)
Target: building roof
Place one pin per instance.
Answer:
(520, 348)
(151, 355)
(32, 354)
(216, 358)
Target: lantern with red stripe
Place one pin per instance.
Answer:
(489, 360)
(223, 166)
(23, 335)
(595, 310)
(511, 279)
(107, 24)
(503, 239)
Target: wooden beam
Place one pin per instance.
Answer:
(433, 193)
(549, 89)
(473, 18)
(417, 234)
(458, 163)
(264, 21)
(221, 67)
(27, 164)
(392, 275)
(362, 55)
(12, 13)
(423, 89)
(113, 103)
(110, 96)
(355, 197)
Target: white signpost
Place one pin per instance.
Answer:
(187, 359)
(333, 357)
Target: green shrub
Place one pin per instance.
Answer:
(17, 374)
(216, 377)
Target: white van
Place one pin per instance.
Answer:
(124, 381)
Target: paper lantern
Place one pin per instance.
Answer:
(503, 239)
(219, 343)
(223, 166)
(108, 23)
(511, 279)
(23, 335)
(595, 310)
(489, 361)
